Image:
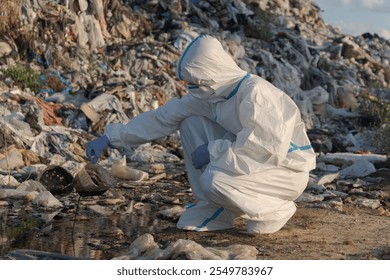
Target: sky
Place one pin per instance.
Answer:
(356, 17)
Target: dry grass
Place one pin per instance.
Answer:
(380, 108)
(10, 12)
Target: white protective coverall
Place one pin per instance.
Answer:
(260, 155)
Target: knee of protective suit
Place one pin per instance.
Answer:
(188, 123)
(192, 133)
(212, 185)
(184, 124)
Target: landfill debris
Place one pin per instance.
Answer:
(57, 180)
(92, 179)
(26, 254)
(121, 170)
(172, 212)
(145, 248)
(12, 159)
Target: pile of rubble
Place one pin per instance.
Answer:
(69, 68)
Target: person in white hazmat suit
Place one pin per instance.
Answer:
(245, 146)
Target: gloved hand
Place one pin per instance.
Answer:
(201, 156)
(96, 147)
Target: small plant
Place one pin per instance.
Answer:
(92, 69)
(383, 138)
(23, 76)
(27, 224)
(260, 27)
(381, 109)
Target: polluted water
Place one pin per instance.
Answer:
(95, 232)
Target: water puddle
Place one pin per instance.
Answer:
(95, 227)
(96, 232)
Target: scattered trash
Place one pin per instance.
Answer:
(57, 180)
(92, 179)
(121, 170)
(12, 159)
(145, 248)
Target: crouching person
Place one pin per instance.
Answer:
(245, 146)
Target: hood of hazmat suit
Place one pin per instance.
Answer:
(208, 69)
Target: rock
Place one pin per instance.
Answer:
(5, 49)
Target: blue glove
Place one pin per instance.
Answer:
(96, 147)
(201, 156)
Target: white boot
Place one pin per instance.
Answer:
(271, 226)
(205, 217)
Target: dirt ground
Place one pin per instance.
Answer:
(353, 233)
(311, 234)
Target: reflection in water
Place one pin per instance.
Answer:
(100, 232)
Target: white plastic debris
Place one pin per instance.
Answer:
(309, 198)
(17, 194)
(173, 212)
(8, 180)
(96, 106)
(370, 203)
(144, 247)
(46, 199)
(328, 178)
(348, 158)
(149, 153)
(105, 211)
(327, 167)
(359, 169)
(12, 159)
(31, 185)
(121, 170)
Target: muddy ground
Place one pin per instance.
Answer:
(92, 228)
